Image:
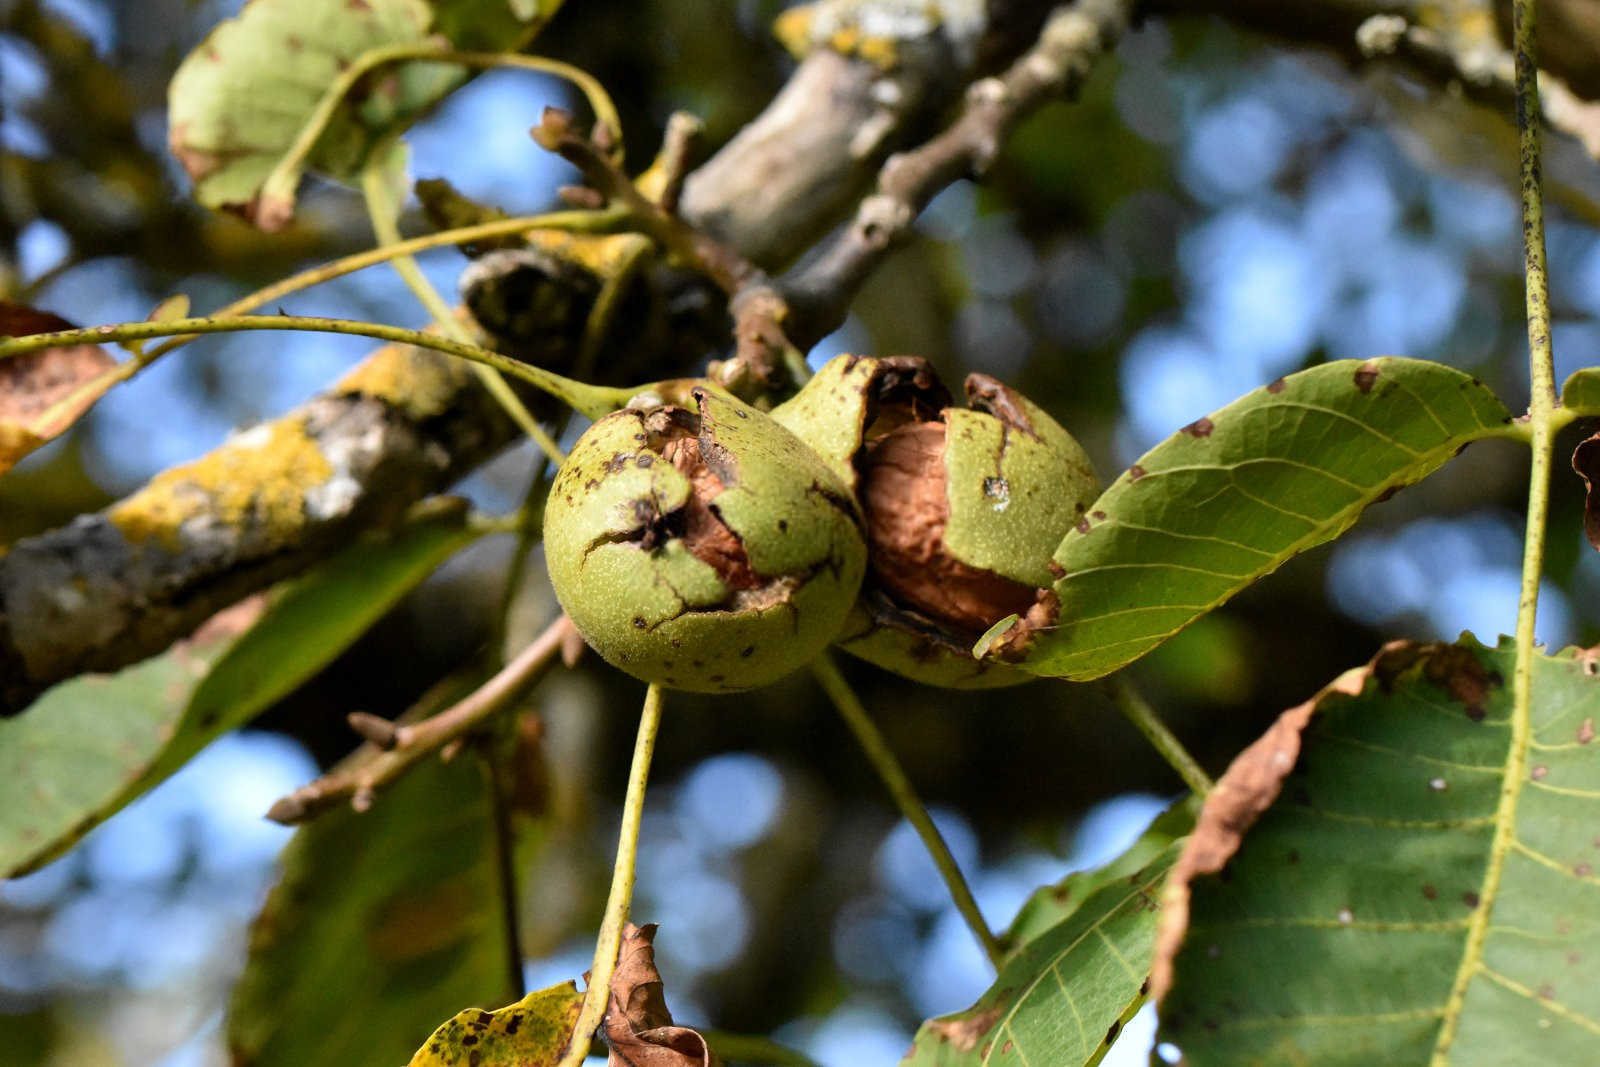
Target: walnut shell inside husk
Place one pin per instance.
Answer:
(964, 508)
(702, 546)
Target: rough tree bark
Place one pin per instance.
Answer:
(114, 587)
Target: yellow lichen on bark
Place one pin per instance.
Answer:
(258, 480)
(421, 383)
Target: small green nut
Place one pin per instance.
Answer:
(964, 508)
(702, 546)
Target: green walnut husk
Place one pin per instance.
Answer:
(702, 546)
(964, 509)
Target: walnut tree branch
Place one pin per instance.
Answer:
(394, 749)
(117, 586)
(819, 293)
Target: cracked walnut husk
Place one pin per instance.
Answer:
(701, 545)
(964, 508)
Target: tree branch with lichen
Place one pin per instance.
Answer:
(114, 587)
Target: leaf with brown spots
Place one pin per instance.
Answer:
(42, 393)
(533, 1032)
(1346, 892)
(240, 100)
(1075, 968)
(638, 1027)
(66, 764)
(1233, 496)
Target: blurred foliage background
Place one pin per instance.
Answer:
(1213, 213)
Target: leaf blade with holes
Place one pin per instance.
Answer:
(240, 100)
(1075, 966)
(66, 764)
(1374, 862)
(1230, 498)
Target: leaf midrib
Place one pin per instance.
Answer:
(1505, 831)
(1099, 921)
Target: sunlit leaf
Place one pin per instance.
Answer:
(92, 744)
(384, 923)
(1231, 497)
(240, 100)
(1076, 968)
(42, 393)
(533, 1032)
(1373, 907)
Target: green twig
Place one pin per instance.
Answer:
(905, 797)
(285, 176)
(602, 221)
(382, 210)
(1542, 425)
(591, 400)
(1138, 711)
(622, 874)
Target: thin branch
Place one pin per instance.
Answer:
(405, 423)
(1541, 406)
(281, 183)
(883, 760)
(1138, 711)
(382, 210)
(591, 400)
(1073, 39)
(360, 781)
(620, 899)
(1482, 67)
(764, 360)
(698, 251)
(575, 221)
(505, 863)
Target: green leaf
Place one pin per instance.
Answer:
(1231, 497)
(240, 100)
(1053, 904)
(92, 744)
(1374, 886)
(383, 924)
(1075, 971)
(533, 1032)
(1581, 393)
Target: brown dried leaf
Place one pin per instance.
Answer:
(638, 1026)
(1248, 788)
(1586, 461)
(34, 387)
